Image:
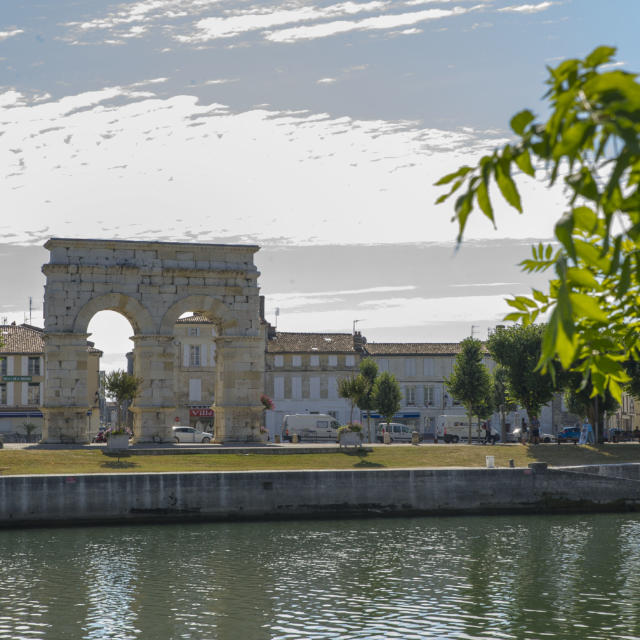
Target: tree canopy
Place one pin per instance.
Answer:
(365, 399)
(470, 382)
(591, 143)
(122, 386)
(351, 389)
(518, 350)
(386, 395)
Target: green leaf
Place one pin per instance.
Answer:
(564, 233)
(524, 163)
(520, 121)
(539, 296)
(582, 278)
(566, 347)
(507, 186)
(599, 55)
(517, 304)
(482, 193)
(625, 277)
(585, 219)
(450, 177)
(587, 307)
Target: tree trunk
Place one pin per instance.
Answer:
(470, 416)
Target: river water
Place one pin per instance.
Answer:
(465, 578)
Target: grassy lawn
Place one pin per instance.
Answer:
(25, 461)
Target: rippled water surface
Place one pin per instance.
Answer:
(491, 578)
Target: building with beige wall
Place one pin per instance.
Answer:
(22, 379)
(302, 372)
(196, 371)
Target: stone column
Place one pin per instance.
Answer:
(65, 403)
(154, 408)
(239, 384)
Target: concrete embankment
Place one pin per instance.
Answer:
(166, 497)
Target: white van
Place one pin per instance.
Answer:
(310, 427)
(456, 428)
(397, 432)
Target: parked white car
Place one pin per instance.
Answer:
(397, 432)
(191, 434)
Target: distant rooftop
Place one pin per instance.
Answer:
(25, 338)
(285, 342)
(196, 318)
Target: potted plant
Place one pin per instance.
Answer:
(350, 435)
(124, 387)
(118, 439)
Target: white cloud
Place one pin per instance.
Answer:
(243, 22)
(176, 169)
(389, 21)
(326, 81)
(399, 313)
(10, 34)
(528, 8)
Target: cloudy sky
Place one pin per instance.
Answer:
(315, 129)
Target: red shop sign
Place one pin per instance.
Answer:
(201, 413)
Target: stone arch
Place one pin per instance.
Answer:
(135, 312)
(152, 284)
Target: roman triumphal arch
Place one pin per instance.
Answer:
(152, 284)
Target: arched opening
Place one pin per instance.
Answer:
(110, 332)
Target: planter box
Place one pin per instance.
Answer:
(118, 441)
(351, 439)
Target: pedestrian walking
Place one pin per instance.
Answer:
(535, 431)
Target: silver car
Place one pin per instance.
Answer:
(191, 434)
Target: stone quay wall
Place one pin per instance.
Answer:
(170, 497)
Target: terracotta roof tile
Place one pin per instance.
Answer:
(196, 318)
(25, 338)
(21, 339)
(413, 348)
(284, 342)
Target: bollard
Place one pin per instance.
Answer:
(276, 438)
(511, 464)
(415, 437)
(294, 438)
(491, 462)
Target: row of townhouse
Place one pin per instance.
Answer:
(302, 371)
(21, 379)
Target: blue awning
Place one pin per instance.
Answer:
(396, 415)
(20, 414)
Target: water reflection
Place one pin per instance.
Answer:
(529, 577)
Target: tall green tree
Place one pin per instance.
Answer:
(591, 143)
(579, 399)
(502, 399)
(518, 350)
(123, 387)
(351, 389)
(365, 400)
(470, 382)
(386, 395)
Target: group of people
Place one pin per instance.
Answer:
(532, 436)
